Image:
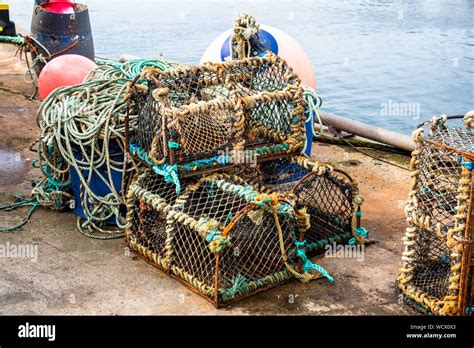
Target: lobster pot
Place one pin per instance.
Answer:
(330, 197)
(220, 237)
(208, 116)
(436, 274)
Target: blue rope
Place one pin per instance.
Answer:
(467, 164)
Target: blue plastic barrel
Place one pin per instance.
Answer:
(309, 136)
(97, 185)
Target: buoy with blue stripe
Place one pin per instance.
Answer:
(267, 39)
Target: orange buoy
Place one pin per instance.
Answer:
(66, 70)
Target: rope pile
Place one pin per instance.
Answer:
(80, 123)
(78, 126)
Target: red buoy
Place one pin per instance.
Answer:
(59, 6)
(66, 70)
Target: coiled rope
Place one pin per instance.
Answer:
(79, 122)
(77, 125)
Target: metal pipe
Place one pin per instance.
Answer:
(380, 135)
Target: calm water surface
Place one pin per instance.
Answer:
(387, 63)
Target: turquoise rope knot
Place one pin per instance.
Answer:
(213, 234)
(361, 232)
(307, 264)
(173, 145)
(219, 243)
(170, 174)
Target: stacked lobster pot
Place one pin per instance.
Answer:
(226, 204)
(436, 276)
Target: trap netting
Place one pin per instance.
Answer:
(221, 237)
(200, 117)
(329, 196)
(437, 260)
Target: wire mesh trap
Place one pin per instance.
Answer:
(330, 196)
(206, 116)
(436, 274)
(220, 237)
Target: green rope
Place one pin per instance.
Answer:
(21, 202)
(45, 194)
(307, 264)
(134, 67)
(321, 243)
(112, 69)
(73, 119)
(14, 40)
(239, 286)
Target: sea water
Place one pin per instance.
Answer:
(389, 63)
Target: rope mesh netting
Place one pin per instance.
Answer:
(200, 116)
(226, 236)
(436, 275)
(330, 196)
